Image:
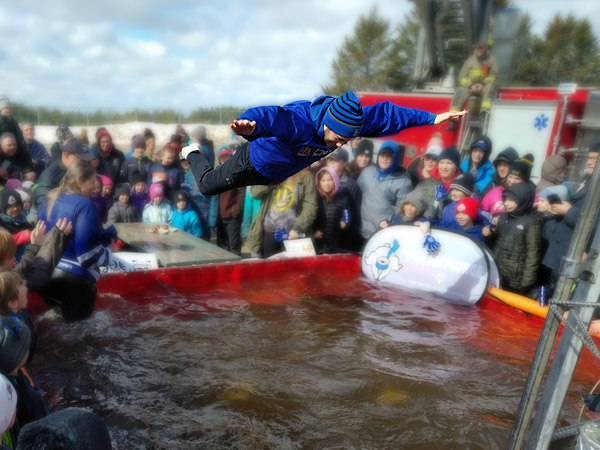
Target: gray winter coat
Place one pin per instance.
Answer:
(380, 198)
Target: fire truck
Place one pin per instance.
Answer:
(540, 121)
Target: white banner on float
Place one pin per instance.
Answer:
(130, 262)
(458, 271)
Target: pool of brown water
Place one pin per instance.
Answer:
(371, 367)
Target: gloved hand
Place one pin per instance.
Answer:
(281, 235)
(431, 244)
(486, 218)
(346, 216)
(185, 151)
(440, 192)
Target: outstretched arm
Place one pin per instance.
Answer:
(440, 118)
(386, 119)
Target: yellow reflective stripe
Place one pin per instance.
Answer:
(489, 80)
(486, 104)
(475, 73)
(465, 82)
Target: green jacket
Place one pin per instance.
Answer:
(306, 208)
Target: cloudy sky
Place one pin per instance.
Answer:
(188, 53)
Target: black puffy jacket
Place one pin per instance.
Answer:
(517, 248)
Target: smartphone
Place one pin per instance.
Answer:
(553, 199)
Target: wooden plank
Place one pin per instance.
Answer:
(173, 249)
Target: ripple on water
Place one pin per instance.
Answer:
(372, 368)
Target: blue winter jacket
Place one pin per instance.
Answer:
(171, 176)
(475, 231)
(186, 220)
(288, 138)
(86, 250)
(485, 174)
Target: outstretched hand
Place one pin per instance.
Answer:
(64, 225)
(38, 234)
(440, 118)
(243, 127)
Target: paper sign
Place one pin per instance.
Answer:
(130, 262)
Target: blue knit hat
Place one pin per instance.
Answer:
(451, 153)
(345, 115)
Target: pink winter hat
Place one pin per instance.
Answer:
(106, 181)
(13, 183)
(156, 189)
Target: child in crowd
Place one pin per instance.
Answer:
(159, 209)
(411, 209)
(139, 195)
(26, 199)
(108, 187)
(184, 217)
(461, 187)
(229, 224)
(15, 339)
(8, 414)
(29, 173)
(122, 211)
(519, 172)
(13, 220)
(478, 163)
(98, 199)
(467, 215)
(13, 302)
(167, 171)
(137, 162)
(333, 212)
(518, 237)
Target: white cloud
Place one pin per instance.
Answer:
(182, 53)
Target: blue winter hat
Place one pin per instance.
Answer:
(345, 115)
(559, 190)
(451, 153)
(483, 142)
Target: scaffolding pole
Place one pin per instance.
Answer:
(581, 236)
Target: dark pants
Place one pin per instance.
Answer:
(237, 172)
(269, 245)
(229, 235)
(74, 295)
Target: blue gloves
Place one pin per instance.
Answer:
(281, 235)
(431, 244)
(486, 218)
(440, 192)
(346, 216)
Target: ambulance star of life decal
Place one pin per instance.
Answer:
(541, 122)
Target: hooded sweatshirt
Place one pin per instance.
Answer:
(383, 192)
(110, 165)
(289, 138)
(553, 172)
(484, 174)
(416, 199)
(517, 247)
(508, 155)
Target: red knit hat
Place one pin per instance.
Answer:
(469, 206)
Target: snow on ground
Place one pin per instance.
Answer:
(122, 133)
